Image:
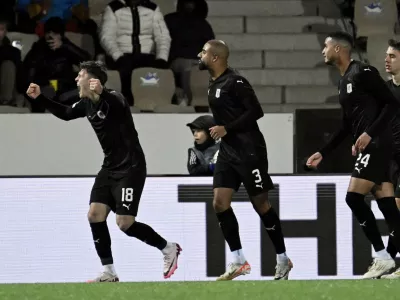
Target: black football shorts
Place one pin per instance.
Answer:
(375, 164)
(120, 191)
(253, 174)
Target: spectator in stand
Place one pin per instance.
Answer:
(130, 32)
(346, 8)
(32, 15)
(50, 62)
(7, 13)
(203, 156)
(10, 60)
(189, 31)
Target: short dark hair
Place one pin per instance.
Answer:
(97, 69)
(342, 36)
(56, 25)
(394, 44)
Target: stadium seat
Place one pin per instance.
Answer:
(152, 87)
(377, 23)
(97, 19)
(171, 108)
(83, 41)
(166, 6)
(26, 40)
(199, 85)
(114, 81)
(96, 7)
(5, 109)
(135, 110)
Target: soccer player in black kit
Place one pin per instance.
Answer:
(119, 184)
(368, 106)
(392, 67)
(242, 158)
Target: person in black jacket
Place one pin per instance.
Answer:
(189, 31)
(50, 62)
(203, 155)
(10, 60)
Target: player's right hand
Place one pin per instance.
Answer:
(314, 160)
(33, 91)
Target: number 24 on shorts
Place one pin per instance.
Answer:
(363, 159)
(127, 195)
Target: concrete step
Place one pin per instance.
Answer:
(311, 94)
(294, 77)
(292, 24)
(291, 108)
(262, 8)
(268, 94)
(283, 42)
(293, 59)
(227, 24)
(279, 59)
(246, 59)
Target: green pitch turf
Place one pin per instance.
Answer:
(243, 290)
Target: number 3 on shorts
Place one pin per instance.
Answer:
(363, 159)
(256, 173)
(127, 195)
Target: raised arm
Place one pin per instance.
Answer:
(61, 111)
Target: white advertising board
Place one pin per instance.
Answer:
(45, 235)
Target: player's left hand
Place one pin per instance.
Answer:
(217, 132)
(95, 86)
(353, 150)
(362, 142)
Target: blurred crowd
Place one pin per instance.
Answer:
(132, 34)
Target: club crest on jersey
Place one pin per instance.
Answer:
(349, 88)
(101, 115)
(217, 93)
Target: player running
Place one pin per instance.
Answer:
(242, 158)
(119, 184)
(368, 106)
(392, 66)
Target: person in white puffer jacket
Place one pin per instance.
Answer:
(134, 34)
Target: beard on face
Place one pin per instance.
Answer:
(202, 65)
